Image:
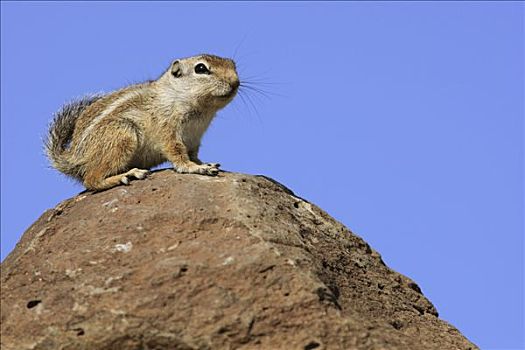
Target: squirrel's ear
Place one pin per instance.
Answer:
(176, 69)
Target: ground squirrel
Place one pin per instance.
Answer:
(107, 140)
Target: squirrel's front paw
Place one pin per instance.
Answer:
(211, 169)
(214, 165)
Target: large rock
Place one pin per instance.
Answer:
(197, 262)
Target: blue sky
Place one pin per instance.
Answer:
(403, 120)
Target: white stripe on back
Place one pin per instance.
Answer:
(118, 102)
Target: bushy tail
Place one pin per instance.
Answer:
(61, 131)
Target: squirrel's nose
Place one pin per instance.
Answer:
(235, 84)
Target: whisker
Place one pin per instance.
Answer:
(263, 93)
(241, 95)
(253, 106)
(256, 97)
(236, 107)
(238, 46)
(242, 98)
(251, 86)
(259, 80)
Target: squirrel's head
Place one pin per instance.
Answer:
(208, 80)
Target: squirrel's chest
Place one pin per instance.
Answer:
(193, 129)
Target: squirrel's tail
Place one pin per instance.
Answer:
(60, 134)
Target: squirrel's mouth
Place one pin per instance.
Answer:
(230, 93)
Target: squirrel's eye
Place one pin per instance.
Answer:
(201, 69)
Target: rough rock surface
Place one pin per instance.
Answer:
(196, 262)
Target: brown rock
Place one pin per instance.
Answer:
(196, 262)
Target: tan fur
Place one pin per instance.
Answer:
(120, 135)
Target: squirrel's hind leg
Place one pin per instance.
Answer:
(108, 164)
(115, 180)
